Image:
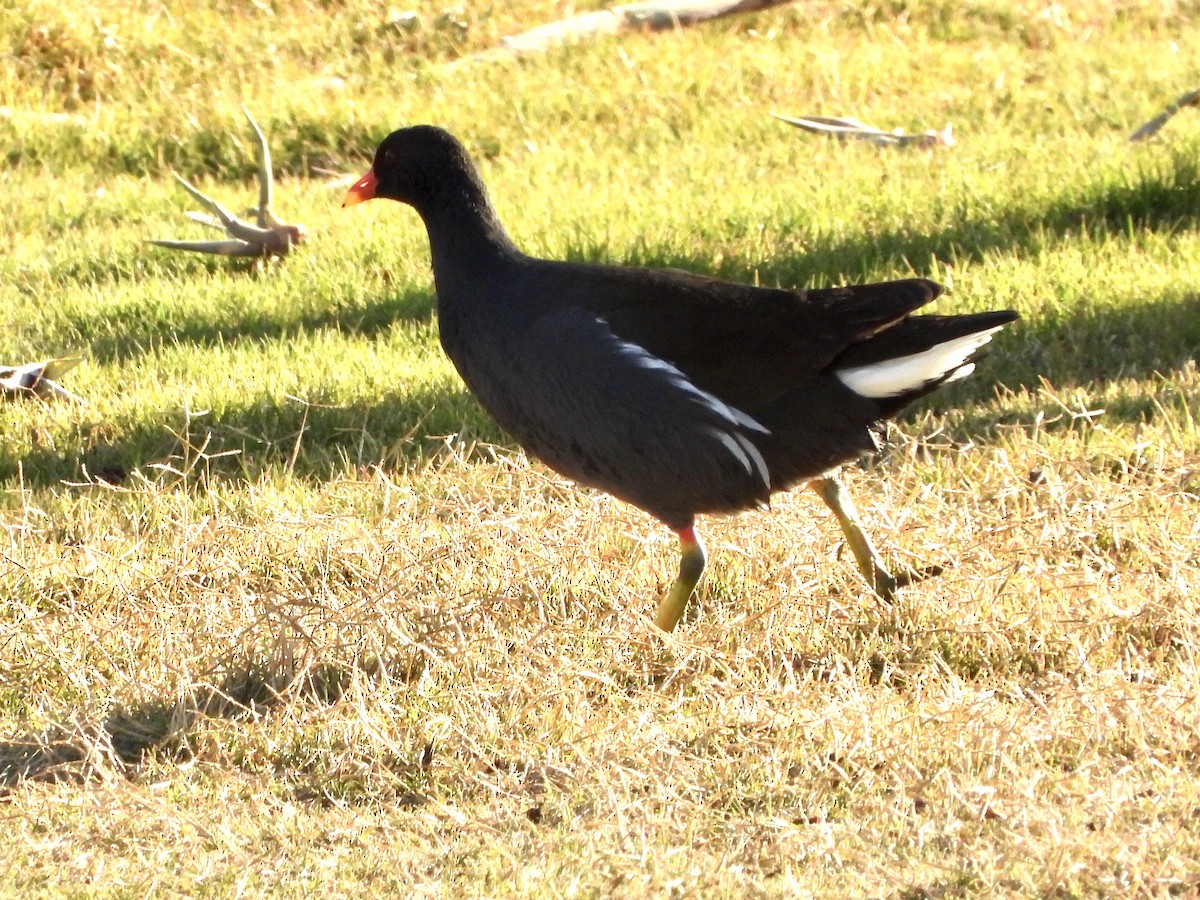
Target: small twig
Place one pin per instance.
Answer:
(291, 466)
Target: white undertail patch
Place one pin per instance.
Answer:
(892, 377)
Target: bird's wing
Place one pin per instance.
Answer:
(205, 219)
(265, 175)
(37, 378)
(839, 126)
(747, 344)
(606, 412)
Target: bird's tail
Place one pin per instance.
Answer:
(917, 354)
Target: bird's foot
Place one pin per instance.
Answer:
(830, 489)
(885, 584)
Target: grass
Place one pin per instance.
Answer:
(282, 612)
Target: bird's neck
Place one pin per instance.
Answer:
(466, 240)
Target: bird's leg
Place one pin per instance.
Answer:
(830, 489)
(691, 567)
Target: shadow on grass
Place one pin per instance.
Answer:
(123, 334)
(1159, 194)
(1093, 341)
(1151, 198)
(130, 736)
(127, 736)
(1134, 338)
(264, 435)
(275, 665)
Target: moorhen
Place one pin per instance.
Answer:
(678, 393)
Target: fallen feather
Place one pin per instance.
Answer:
(847, 127)
(38, 379)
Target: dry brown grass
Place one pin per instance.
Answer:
(444, 679)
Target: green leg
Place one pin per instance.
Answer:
(691, 567)
(870, 563)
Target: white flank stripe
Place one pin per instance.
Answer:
(746, 454)
(893, 377)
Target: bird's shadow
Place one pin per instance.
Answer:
(125, 737)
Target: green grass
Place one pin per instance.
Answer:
(282, 612)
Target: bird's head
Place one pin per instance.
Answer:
(410, 166)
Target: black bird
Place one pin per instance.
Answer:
(677, 393)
